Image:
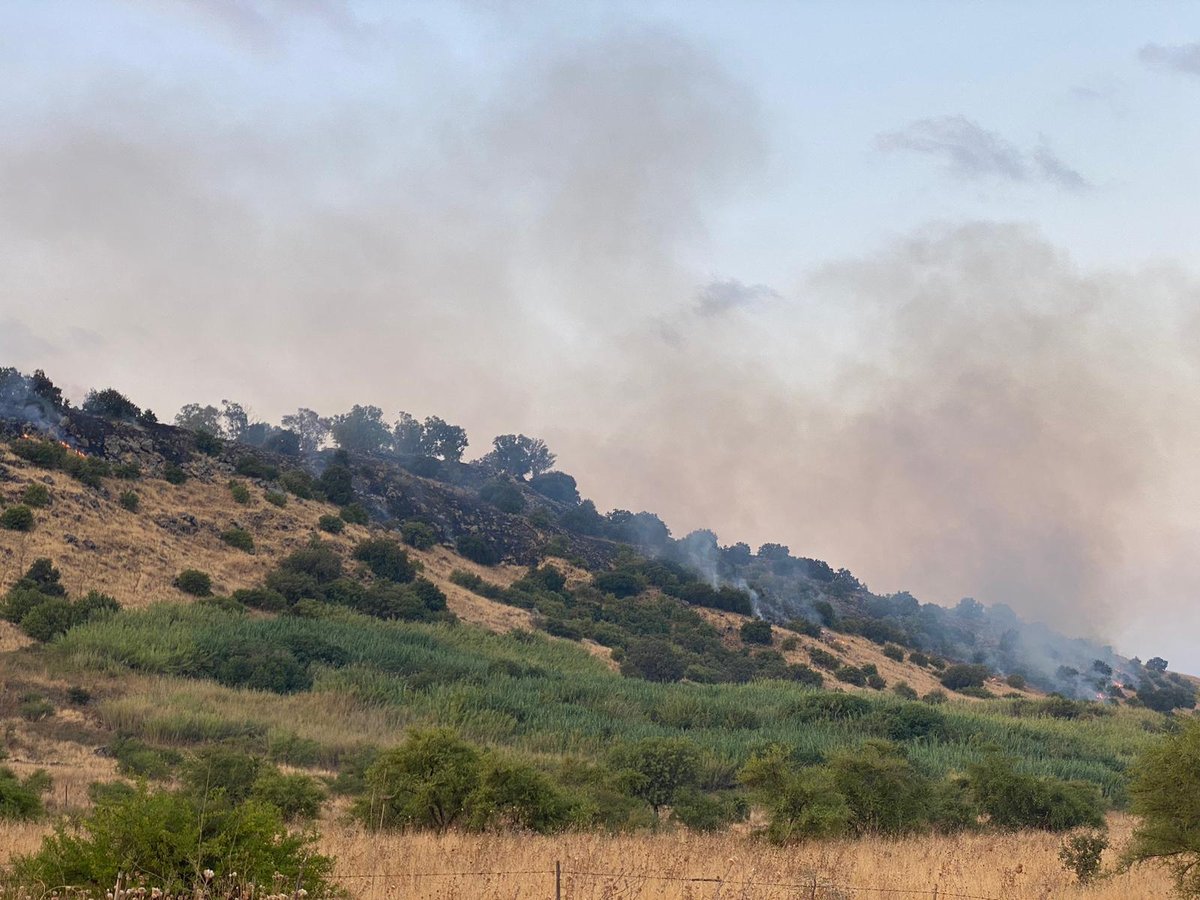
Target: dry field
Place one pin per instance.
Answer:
(1021, 867)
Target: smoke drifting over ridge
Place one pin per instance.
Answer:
(961, 412)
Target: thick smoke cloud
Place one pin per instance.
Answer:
(963, 412)
(1184, 58)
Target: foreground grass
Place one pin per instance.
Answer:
(1025, 865)
(543, 697)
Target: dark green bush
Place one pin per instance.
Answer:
(331, 524)
(503, 494)
(386, 559)
(239, 492)
(1015, 681)
(418, 535)
(355, 514)
(261, 598)
(962, 675)
(239, 539)
(17, 518)
(297, 797)
(168, 837)
(21, 799)
(619, 583)
(299, 483)
(1014, 800)
(824, 658)
(894, 651)
(35, 708)
(756, 631)
(477, 549)
(137, 758)
(851, 675)
(653, 659)
(35, 495)
(319, 561)
(276, 498)
(194, 582)
(174, 474)
(250, 467)
(129, 500)
(208, 443)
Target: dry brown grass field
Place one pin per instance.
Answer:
(430, 867)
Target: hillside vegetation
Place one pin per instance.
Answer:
(383, 630)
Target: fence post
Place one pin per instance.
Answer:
(557, 880)
(935, 892)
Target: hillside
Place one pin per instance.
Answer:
(170, 595)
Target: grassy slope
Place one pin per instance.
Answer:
(543, 696)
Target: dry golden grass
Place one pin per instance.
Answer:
(134, 556)
(1025, 866)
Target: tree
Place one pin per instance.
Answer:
(111, 404)
(407, 434)
(518, 455)
(195, 417)
(442, 440)
(236, 419)
(425, 782)
(657, 768)
(556, 486)
(362, 430)
(1165, 793)
(1156, 664)
(803, 804)
(885, 794)
(653, 659)
(311, 428)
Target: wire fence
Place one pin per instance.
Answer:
(559, 880)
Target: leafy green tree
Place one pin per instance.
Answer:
(386, 558)
(111, 404)
(1165, 794)
(654, 660)
(21, 799)
(195, 417)
(1015, 800)
(518, 455)
(803, 804)
(426, 782)
(310, 428)
(362, 430)
(236, 420)
(656, 769)
(883, 791)
(406, 435)
(442, 440)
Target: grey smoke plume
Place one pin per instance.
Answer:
(964, 412)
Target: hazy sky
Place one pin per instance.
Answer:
(910, 287)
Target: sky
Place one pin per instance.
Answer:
(909, 287)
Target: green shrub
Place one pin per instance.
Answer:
(239, 539)
(250, 467)
(49, 619)
(515, 795)
(885, 795)
(174, 474)
(261, 598)
(1082, 855)
(276, 498)
(894, 651)
(35, 708)
(804, 626)
(789, 644)
(823, 658)
(706, 812)
(299, 483)
(756, 631)
(876, 681)
(138, 759)
(355, 514)
(331, 524)
(129, 471)
(208, 443)
(21, 800)
(1015, 681)
(239, 492)
(386, 559)
(904, 690)
(477, 549)
(961, 675)
(129, 500)
(419, 535)
(655, 769)
(17, 518)
(168, 837)
(194, 582)
(917, 658)
(35, 495)
(803, 804)
(1015, 800)
(426, 782)
(653, 659)
(297, 797)
(851, 675)
(78, 696)
(503, 494)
